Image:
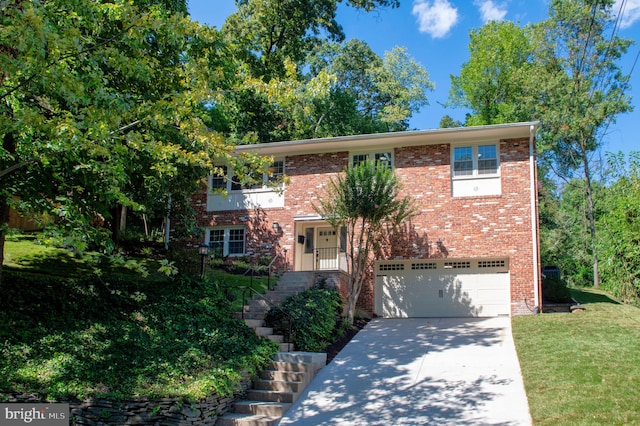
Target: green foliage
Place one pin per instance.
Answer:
(102, 106)
(313, 315)
(490, 83)
(555, 290)
(269, 32)
(297, 79)
(565, 235)
(619, 227)
(122, 338)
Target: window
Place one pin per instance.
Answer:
(221, 179)
(228, 241)
(236, 241)
(216, 242)
(478, 160)
(359, 158)
(343, 239)
(382, 157)
(276, 171)
(487, 160)
(308, 240)
(462, 161)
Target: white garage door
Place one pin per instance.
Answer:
(442, 288)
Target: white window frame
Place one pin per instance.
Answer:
(227, 232)
(371, 155)
(475, 158)
(228, 177)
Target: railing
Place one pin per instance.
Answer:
(327, 258)
(271, 305)
(269, 271)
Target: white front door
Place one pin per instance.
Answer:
(317, 247)
(327, 249)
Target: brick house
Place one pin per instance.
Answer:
(472, 250)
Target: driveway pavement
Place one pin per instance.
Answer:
(424, 371)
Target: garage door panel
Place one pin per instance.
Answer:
(441, 293)
(401, 297)
(394, 297)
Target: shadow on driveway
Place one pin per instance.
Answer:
(420, 372)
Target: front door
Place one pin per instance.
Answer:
(327, 249)
(318, 248)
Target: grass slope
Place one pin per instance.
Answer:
(582, 368)
(118, 336)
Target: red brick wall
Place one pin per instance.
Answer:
(487, 226)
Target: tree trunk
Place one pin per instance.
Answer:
(118, 216)
(590, 216)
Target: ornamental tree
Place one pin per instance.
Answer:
(365, 201)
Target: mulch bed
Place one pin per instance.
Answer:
(335, 348)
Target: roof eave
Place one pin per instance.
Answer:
(393, 139)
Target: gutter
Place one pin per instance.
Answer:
(391, 139)
(537, 285)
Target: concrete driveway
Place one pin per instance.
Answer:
(425, 371)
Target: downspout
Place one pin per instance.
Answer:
(534, 222)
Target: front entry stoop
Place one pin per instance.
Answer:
(277, 387)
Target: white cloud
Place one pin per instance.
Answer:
(630, 13)
(435, 18)
(491, 11)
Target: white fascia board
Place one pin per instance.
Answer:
(392, 139)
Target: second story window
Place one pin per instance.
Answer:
(476, 160)
(223, 179)
(276, 171)
(383, 157)
(219, 178)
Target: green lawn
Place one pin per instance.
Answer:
(582, 368)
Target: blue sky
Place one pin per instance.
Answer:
(436, 34)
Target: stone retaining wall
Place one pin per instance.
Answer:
(144, 412)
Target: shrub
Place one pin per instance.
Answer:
(314, 315)
(555, 290)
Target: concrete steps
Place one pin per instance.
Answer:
(262, 408)
(286, 377)
(236, 419)
(275, 390)
(255, 310)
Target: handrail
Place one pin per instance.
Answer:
(272, 306)
(269, 271)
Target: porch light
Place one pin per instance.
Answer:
(276, 226)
